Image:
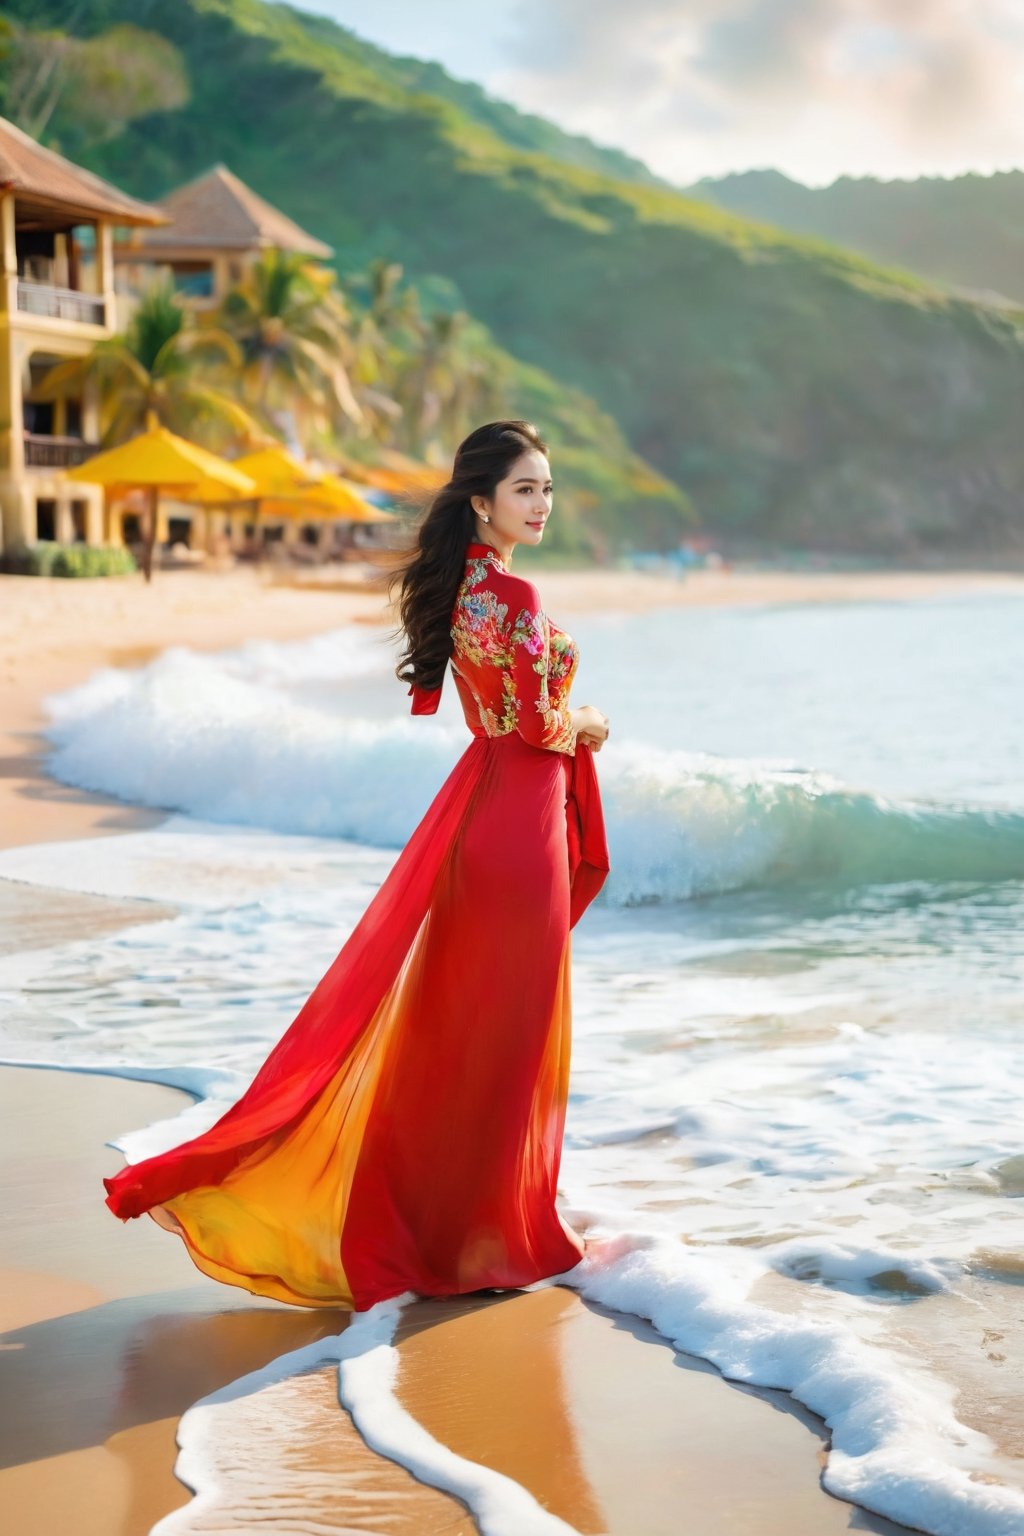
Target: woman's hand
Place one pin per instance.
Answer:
(591, 726)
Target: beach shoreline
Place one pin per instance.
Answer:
(636, 1427)
(55, 633)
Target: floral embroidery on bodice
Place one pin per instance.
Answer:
(513, 667)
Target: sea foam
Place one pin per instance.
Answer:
(897, 1446)
(228, 1440)
(216, 738)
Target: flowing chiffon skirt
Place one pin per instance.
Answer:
(405, 1133)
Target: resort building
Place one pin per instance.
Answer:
(216, 227)
(77, 253)
(56, 301)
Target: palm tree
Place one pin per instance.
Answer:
(451, 378)
(155, 368)
(291, 324)
(386, 328)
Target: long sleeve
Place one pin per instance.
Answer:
(424, 700)
(534, 714)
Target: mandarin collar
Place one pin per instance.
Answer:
(478, 547)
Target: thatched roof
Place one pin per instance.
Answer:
(45, 179)
(219, 211)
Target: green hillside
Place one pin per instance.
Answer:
(521, 130)
(963, 231)
(796, 391)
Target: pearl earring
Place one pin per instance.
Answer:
(484, 519)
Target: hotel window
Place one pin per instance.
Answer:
(193, 280)
(35, 252)
(46, 520)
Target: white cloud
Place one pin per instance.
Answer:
(814, 87)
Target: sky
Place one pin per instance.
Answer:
(814, 88)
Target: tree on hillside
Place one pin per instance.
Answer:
(450, 381)
(77, 92)
(383, 330)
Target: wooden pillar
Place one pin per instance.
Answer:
(61, 268)
(221, 277)
(93, 515)
(105, 274)
(8, 253)
(65, 528)
(12, 403)
(149, 530)
(90, 412)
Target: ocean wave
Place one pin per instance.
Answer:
(689, 824)
(215, 738)
(212, 738)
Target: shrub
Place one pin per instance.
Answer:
(47, 558)
(93, 560)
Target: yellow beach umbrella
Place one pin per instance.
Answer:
(288, 488)
(158, 460)
(274, 471)
(330, 499)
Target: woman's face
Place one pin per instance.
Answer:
(521, 504)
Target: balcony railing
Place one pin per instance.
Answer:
(42, 452)
(60, 303)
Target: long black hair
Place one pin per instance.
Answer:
(433, 569)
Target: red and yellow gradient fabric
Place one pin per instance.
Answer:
(405, 1133)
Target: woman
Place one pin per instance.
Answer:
(405, 1132)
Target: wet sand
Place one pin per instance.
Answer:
(33, 917)
(110, 1334)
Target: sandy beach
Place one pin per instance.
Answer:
(110, 1334)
